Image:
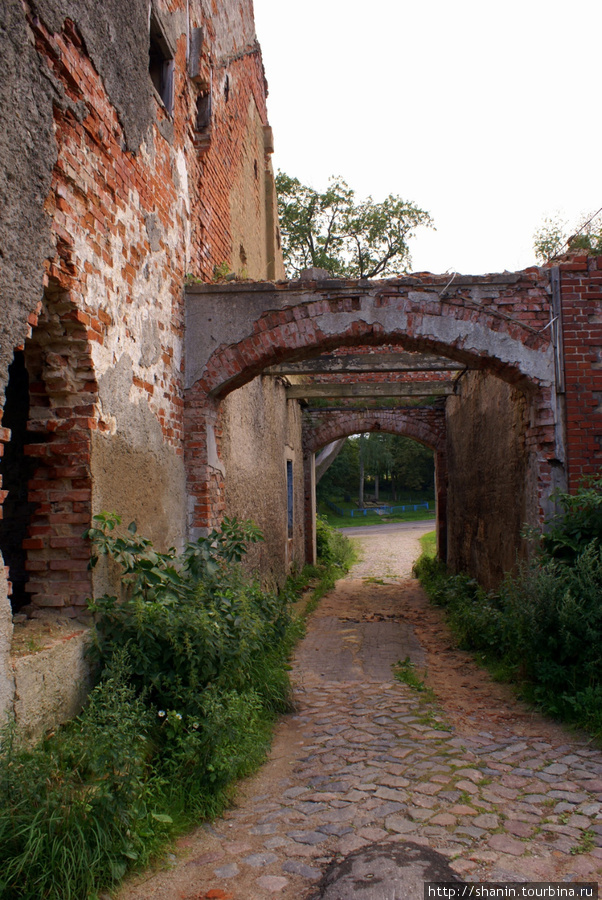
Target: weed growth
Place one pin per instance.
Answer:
(192, 661)
(543, 627)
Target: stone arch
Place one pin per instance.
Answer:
(425, 424)
(496, 324)
(505, 332)
(47, 482)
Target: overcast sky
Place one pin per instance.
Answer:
(486, 114)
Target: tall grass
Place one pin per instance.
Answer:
(542, 629)
(193, 661)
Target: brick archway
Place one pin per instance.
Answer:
(423, 424)
(499, 324)
(53, 476)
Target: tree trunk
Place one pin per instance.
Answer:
(376, 487)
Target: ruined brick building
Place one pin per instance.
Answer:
(135, 164)
(135, 153)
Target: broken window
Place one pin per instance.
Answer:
(203, 112)
(161, 64)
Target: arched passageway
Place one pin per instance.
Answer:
(49, 413)
(497, 326)
(423, 424)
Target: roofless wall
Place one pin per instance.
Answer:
(502, 328)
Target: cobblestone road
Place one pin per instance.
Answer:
(366, 760)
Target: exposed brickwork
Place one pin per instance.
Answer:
(518, 309)
(319, 317)
(581, 292)
(423, 424)
(127, 228)
(63, 412)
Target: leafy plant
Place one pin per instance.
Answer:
(193, 665)
(333, 548)
(77, 809)
(543, 627)
(579, 523)
(221, 271)
(333, 231)
(406, 673)
(553, 237)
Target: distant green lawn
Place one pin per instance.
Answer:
(372, 519)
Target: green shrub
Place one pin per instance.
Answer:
(333, 548)
(543, 627)
(76, 809)
(193, 661)
(578, 524)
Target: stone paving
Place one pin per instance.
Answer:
(366, 759)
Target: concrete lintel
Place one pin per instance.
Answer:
(367, 362)
(359, 389)
(221, 315)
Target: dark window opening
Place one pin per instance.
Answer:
(161, 64)
(17, 469)
(289, 496)
(203, 112)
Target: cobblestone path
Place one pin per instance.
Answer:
(365, 759)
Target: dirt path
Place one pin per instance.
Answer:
(501, 793)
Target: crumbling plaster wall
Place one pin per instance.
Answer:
(109, 200)
(492, 487)
(261, 430)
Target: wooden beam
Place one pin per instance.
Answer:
(363, 389)
(366, 362)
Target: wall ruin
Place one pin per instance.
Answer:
(492, 486)
(113, 193)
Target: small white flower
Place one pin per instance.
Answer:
(178, 716)
(161, 713)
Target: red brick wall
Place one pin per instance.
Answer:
(581, 293)
(113, 274)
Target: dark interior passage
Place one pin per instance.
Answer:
(16, 469)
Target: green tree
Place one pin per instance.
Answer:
(413, 466)
(348, 238)
(342, 476)
(554, 237)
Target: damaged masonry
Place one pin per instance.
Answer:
(136, 164)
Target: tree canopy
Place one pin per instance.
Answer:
(349, 238)
(554, 237)
(401, 464)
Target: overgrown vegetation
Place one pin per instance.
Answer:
(333, 548)
(346, 237)
(192, 664)
(543, 627)
(555, 237)
(428, 542)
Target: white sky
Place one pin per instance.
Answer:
(487, 114)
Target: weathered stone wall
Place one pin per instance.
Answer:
(109, 200)
(492, 489)
(257, 441)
